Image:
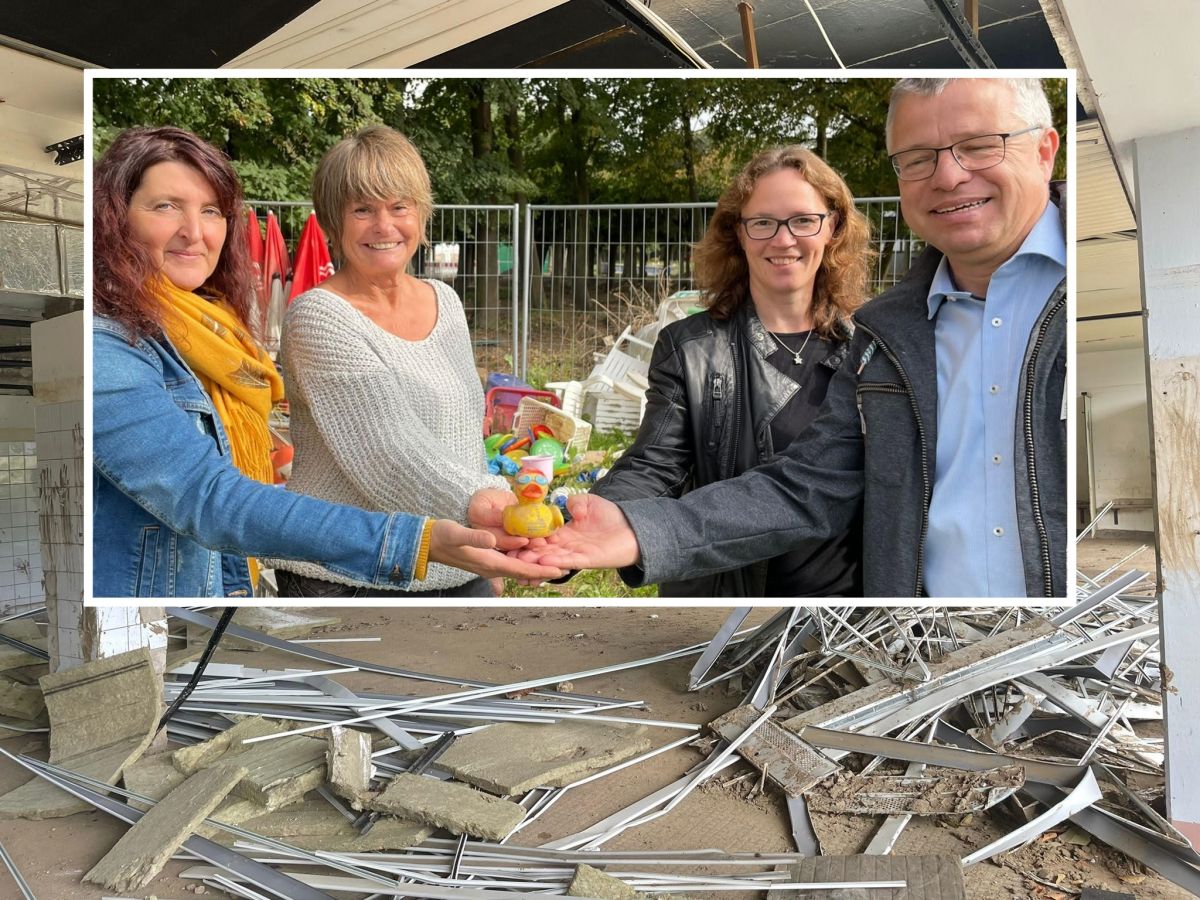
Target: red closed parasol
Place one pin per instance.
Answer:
(313, 264)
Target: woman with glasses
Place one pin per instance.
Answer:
(783, 264)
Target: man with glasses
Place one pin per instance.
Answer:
(946, 426)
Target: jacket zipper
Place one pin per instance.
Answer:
(1031, 467)
(873, 388)
(737, 414)
(925, 480)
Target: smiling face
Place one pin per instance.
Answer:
(174, 212)
(784, 267)
(978, 219)
(379, 237)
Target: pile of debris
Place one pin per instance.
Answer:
(287, 783)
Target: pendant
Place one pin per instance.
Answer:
(796, 358)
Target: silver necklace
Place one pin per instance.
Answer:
(796, 357)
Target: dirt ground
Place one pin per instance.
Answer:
(512, 644)
(1098, 554)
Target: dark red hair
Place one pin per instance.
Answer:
(122, 266)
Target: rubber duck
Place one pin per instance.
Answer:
(531, 516)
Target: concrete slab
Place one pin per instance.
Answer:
(313, 824)
(349, 764)
(928, 877)
(278, 772)
(103, 716)
(280, 623)
(146, 847)
(156, 776)
(512, 758)
(590, 882)
(20, 701)
(457, 808)
(27, 632)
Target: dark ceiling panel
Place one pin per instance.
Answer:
(899, 33)
(147, 33)
(578, 34)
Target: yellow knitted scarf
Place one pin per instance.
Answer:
(235, 371)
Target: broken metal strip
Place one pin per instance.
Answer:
(804, 836)
(36, 652)
(1098, 598)
(439, 892)
(717, 645)
(236, 684)
(22, 884)
(1081, 797)
(391, 729)
(903, 708)
(763, 693)
(258, 637)
(277, 883)
(1058, 774)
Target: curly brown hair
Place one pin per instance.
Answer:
(841, 284)
(122, 266)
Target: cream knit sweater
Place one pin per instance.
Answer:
(383, 423)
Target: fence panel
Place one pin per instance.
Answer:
(592, 271)
(473, 249)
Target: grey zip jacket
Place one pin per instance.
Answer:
(874, 445)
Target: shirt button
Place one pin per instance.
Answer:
(997, 322)
(996, 458)
(994, 389)
(998, 531)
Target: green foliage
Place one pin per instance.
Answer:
(589, 583)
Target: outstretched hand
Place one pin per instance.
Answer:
(597, 537)
(486, 511)
(476, 551)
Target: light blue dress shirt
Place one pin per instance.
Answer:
(972, 548)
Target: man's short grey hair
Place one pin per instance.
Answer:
(1029, 98)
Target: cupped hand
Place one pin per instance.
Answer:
(486, 511)
(476, 551)
(597, 537)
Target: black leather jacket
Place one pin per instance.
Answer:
(712, 397)
(871, 452)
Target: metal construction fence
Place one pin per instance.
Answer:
(544, 286)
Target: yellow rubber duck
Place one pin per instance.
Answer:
(531, 517)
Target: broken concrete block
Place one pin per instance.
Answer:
(589, 882)
(103, 716)
(21, 701)
(27, 632)
(349, 764)
(156, 776)
(513, 758)
(146, 847)
(315, 825)
(278, 772)
(443, 804)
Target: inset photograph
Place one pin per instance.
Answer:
(597, 752)
(410, 337)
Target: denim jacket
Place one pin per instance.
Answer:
(172, 517)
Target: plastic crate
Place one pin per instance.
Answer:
(570, 431)
(500, 406)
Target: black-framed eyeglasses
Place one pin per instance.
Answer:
(763, 228)
(972, 154)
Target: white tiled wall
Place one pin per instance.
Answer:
(20, 541)
(73, 638)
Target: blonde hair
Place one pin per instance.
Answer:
(377, 163)
(841, 283)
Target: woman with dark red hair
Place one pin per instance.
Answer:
(181, 393)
